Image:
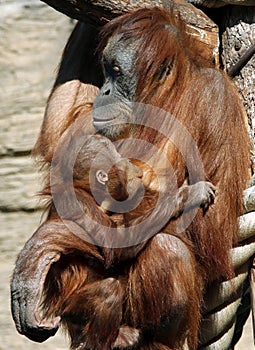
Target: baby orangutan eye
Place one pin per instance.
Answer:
(102, 177)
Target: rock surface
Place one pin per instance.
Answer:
(32, 37)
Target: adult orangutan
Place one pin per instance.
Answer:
(148, 58)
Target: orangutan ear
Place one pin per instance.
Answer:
(102, 177)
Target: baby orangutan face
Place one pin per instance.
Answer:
(101, 171)
(122, 183)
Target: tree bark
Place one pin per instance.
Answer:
(220, 3)
(238, 35)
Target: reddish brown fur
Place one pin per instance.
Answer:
(163, 284)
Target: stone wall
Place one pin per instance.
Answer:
(32, 37)
(31, 40)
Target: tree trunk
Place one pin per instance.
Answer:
(238, 35)
(220, 3)
(99, 10)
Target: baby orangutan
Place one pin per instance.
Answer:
(113, 192)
